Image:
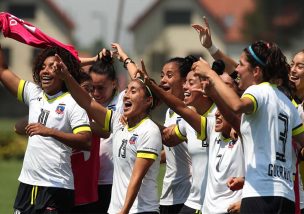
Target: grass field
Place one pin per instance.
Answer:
(9, 171)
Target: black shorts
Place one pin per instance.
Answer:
(47, 200)
(267, 204)
(170, 209)
(188, 210)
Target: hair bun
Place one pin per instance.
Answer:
(107, 59)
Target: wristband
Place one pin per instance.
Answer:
(127, 61)
(213, 49)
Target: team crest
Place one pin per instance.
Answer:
(133, 139)
(60, 108)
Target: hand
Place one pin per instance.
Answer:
(235, 207)
(167, 132)
(60, 68)
(119, 52)
(235, 183)
(233, 135)
(37, 129)
(204, 33)
(201, 67)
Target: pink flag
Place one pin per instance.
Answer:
(25, 32)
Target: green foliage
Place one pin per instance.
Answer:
(275, 20)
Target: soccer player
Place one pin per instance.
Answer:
(269, 121)
(56, 125)
(136, 146)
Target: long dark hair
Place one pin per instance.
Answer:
(68, 59)
(273, 63)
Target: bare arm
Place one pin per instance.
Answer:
(224, 96)
(169, 137)
(122, 56)
(204, 33)
(80, 140)
(20, 126)
(140, 169)
(97, 111)
(8, 78)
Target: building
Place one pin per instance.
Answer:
(164, 30)
(43, 14)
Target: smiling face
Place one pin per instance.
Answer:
(221, 125)
(103, 88)
(50, 82)
(171, 79)
(296, 74)
(191, 96)
(245, 73)
(136, 102)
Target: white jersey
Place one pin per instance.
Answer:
(106, 146)
(267, 134)
(226, 159)
(141, 141)
(177, 179)
(198, 151)
(47, 161)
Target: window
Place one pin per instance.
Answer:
(6, 52)
(180, 17)
(157, 61)
(23, 11)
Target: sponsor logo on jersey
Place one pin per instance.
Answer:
(60, 108)
(133, 139)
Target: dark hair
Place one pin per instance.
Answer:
(184, 64)
(104, 68)
(84, 76)
(274, 65)
(148, 93)
(68, 59)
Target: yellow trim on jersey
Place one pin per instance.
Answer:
(209, 110)
(179, 134)
(107, 120)
(294, 103)
(203, 134)
(138, 124)
(81, 129)
(56, 98)
(147, 155)
(298, 130)
(252, 98)
(20, 90)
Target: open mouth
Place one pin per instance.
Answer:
(187, 94)
(293, 78)
(46, 79)
(127, 105)
(165, 87)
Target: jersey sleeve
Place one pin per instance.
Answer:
(180, 129)
(207, 125)
(297, 126)
(27, 90)
(150, 144)
(253, 93)
(79, 119)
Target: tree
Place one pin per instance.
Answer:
(275, 20)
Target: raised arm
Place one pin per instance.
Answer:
(8, 78)
(94, 109)
(223, 95)
(204, 33)
(128, 62)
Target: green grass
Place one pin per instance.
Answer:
(9, 171)
(7, 125)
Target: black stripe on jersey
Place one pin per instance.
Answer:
(257, 105)
(22, 94)
(143, 151)
(110, 128)
(84, 125)
(298, 126)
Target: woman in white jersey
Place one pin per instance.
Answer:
(136, 146)
(269, 121)
(46, 179)
(225, 155)
(177, 179)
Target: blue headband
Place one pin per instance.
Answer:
(255, 56)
